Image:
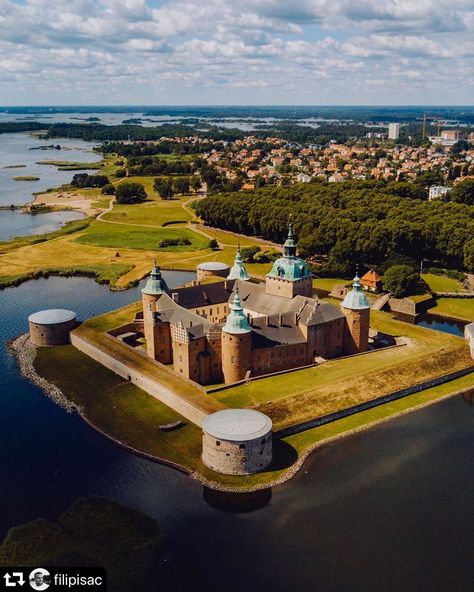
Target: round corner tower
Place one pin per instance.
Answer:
(154, 288)
(356, 309)
(237, 441)
(236, 344)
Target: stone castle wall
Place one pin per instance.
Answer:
(149, 385)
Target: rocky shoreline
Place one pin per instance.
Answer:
(25, 354)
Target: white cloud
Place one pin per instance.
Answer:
(258, 51)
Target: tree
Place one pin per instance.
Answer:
(469, 255)
(84, 180)
(459, 146)
(463, 192)
(401, 281)
(163, 187)
(181, 185)
(129, 193)
(196, 183)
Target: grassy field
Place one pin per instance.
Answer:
(26, 178)
(152, 213)
(460, 308)
(339, 384)
(101, 234)
(329, 283)
(79, 247)
(122, 410)
(442, 283)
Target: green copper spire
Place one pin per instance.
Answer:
(289, 248)
(290, 267)
(238, 271)
(155, 285)
(356, 299)
(237, 321)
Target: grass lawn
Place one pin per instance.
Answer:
(152, 213)
(228, 238)
(119, 408)
(461, 308)
(339, 384)
(442, 283)
(329, 283)
(102, 234)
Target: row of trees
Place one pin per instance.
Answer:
(351, 222)
(83, 180)
(153, 165)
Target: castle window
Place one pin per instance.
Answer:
(218, 443)
(227, 453)
(263, 442)
(181, 370)
(210, 311)
(241, 446)
(232, 360)
(180, 358)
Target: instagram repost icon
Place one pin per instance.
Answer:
(40, 579)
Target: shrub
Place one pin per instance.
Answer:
(173, 242)
(248, 253)
(108, 189)
(213, 244)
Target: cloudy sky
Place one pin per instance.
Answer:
(236, 52)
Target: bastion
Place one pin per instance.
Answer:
(237, 441)
(51, 327)
(212, 268)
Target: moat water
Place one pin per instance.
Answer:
(386, 510)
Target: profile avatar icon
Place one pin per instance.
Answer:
(40, 579)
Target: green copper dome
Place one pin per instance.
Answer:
(155, 285)
(237, 321)
(238, 271)
(290, 267)
(356, 299)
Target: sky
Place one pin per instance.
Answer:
(241, 52)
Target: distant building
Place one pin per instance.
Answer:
(303, 178)
(371, 281)
(451, 135)
(374, 136)
(393, 131)
(437, 191)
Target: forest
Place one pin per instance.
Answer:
(362, 222)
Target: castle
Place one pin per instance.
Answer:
(232, 329)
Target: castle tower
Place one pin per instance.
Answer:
(236, 344)
(356, 309)
(156, 334)
(238, 271)
(290, 275)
